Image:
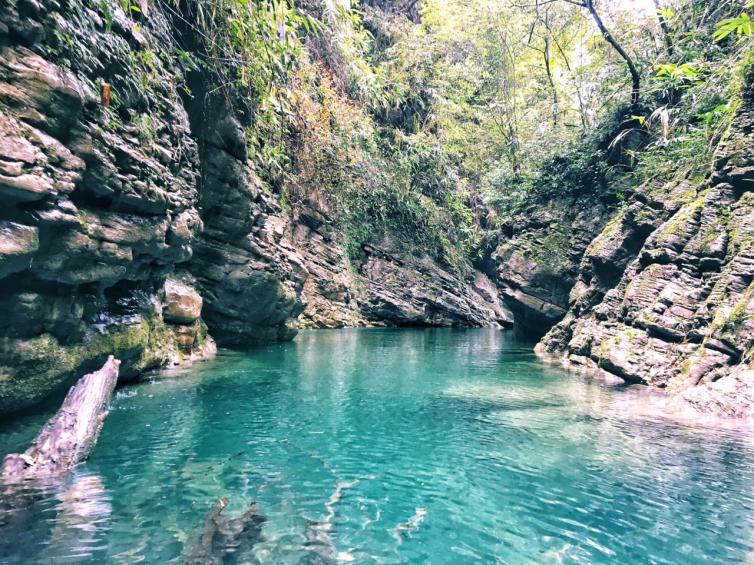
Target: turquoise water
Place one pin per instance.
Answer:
(391, 446)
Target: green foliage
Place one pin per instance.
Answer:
(701, 96)
(395, 126)
(255, 48)
(742, 26)
(684, 75)
(378, 181)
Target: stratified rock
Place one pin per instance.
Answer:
(332, 289)
(405, 290)
(99, 204)
(247, 270)
(665, 294)
(534, 257)
(392, 282)
(18, 243)
(732, 395)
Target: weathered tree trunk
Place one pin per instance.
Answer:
(68, 437)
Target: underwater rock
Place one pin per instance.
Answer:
(226, 536)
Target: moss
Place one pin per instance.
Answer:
(678, 224)
(202, 333)
(645, 215)
(553, 251)
(643, 282)
(145, 125)
(620, 341)
(713, 231)
(740, 225)
(730, 321)
(739, 314)
(42, 365)
(610, 230)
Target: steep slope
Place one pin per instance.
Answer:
(134, 220)
(99, 199)
(534, 258)
(664, 295)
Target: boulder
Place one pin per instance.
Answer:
(18, 243)
(183, 305)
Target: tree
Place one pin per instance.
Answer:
(635, 76)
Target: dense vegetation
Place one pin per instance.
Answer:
(434, 118)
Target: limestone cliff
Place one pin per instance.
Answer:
(133, 220)
(665, 294)
(99, 192)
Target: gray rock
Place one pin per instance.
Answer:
(680, 312)
(183, 305)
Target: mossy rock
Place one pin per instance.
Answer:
(38, 367)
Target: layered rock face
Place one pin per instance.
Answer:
(407, 288)
(133, 220)
(534, 257)
(393, 284)
(332, 288)
(246, 266)
(98, 185)
(665, 294)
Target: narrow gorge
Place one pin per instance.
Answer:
(376, 281)
(136, 224)
(143, 231)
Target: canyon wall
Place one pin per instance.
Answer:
(133, 222)
(665, 293)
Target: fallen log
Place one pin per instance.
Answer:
(68, 437)
(224, 536)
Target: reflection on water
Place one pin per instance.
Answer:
(59, 519)
(391, 446)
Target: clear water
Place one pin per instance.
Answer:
(403, 446)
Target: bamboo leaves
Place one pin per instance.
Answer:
(742, 26)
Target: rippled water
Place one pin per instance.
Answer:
(379, 446)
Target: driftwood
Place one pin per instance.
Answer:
(68, 437)
(224, 536)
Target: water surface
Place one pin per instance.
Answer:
(391, 446)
